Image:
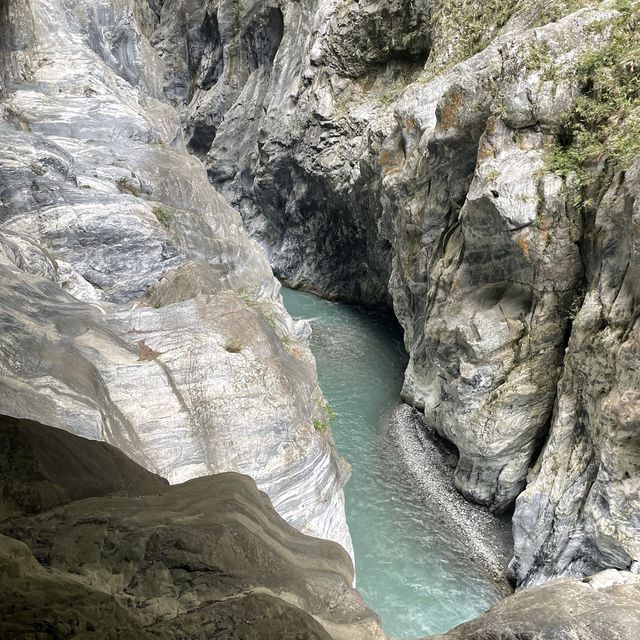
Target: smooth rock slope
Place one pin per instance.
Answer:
(135, 309)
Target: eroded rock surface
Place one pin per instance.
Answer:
(580, 512)
(603, 607)
(135, 308)
(207, 558)
(406, 161)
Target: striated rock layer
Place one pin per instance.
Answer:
(582, 508)
(207, 558)
(134, 308)
(392, 152)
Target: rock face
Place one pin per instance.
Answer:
(262, 108)
(42, 467)
(603, 607)
(580, 512)
(382, 151)
(391, 152)
(135, 308)
(206, 558)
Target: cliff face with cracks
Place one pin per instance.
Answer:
(397, 152)
(135, 308)
(384, 151)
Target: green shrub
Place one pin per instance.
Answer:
(248, 295)
(162, 215)
(462, 28)
(320, 425)
(328, 417)
(604, 126)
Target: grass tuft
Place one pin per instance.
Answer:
(162, 215)
(604, 126)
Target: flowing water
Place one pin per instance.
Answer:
(408, 566)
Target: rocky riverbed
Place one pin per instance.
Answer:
(430, 462)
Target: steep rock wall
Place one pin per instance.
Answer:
(277, 146)
(369, 174)
(135, 308)
(580, 510)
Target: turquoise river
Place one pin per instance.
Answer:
(407, 566)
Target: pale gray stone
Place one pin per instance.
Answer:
(101, 210)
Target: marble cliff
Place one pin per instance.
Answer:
(473, 166)
(135, 308)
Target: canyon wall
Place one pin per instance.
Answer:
(423, 154)
(134, 307)
(427, 155)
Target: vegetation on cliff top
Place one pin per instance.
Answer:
(604, 126)
(462, 28)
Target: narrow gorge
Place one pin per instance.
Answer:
(183, 455)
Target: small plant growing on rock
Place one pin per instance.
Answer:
(320, 425)
(605, 123)
(329, 414)
(233, 346)
(162, 215)
(247, 294)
